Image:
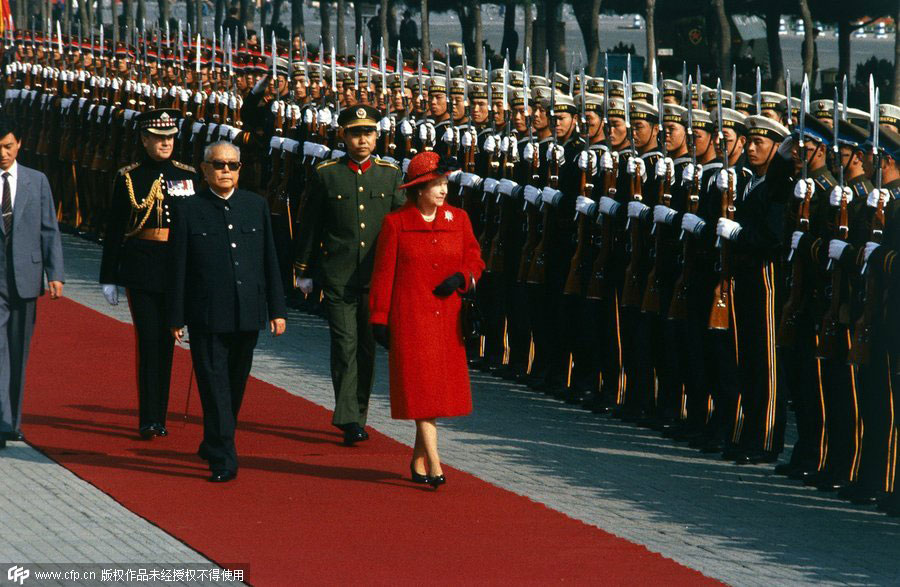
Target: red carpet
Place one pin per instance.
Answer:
(304, 508)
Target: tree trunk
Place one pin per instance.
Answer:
(479, 35)
(650, 25)
(426, 36)
(808, 41)
(165, 13)
(587, 14)
(219, 15)
(724, 40)
(325, 19)
(509, 29)
(528, 37)
(844, 30)
(539, 41)
(297, 25)
(115, 24)
(341, 38)
(551, 12)
(463, 12)
(67, 18)
(245, 15)
(776, 60)
(383, 26)
(896, 99)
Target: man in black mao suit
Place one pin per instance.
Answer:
(226, 287)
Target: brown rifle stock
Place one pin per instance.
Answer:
(795, 306)
(632, 290)
(861, 350)
(720, 313)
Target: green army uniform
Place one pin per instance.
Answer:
(339, 228)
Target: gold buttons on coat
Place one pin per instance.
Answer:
(362, 224)
(360, 188)
(362, 244)
(361, 207)
(339, 196)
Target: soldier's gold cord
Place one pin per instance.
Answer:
(155, 196)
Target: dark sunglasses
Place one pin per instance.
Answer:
(220, 165)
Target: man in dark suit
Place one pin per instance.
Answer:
(30, 246)
(226, 287)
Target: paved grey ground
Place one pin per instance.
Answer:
(742, 525)
(54, 521)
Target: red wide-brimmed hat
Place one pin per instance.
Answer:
(424, 167)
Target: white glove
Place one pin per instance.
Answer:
(585, 206)
(490, 144)
(304, 284)
(388, 159)
(560, 154)
(795, 239)
(637, 209)
(405, 165)
(663, 214)
(636, 167)
(322, 151)
(309, 148)
(449, 136)
(111, 293)
(724, 177)
(504, 144)
(406, 129)
(469, 180)
(727, 229)
(870, 247)
(692, 223)
(384, 125)
(528, 152)
(506, 186)
(785, 148)
(467, 139)
(835, 197)
(608, 206)
(324, 116)
(337, 154)
(801, 188)
(551, 196)
(490, 185)
(532, 194)
(308, 116)
(872, 200)
(587, 161)
(426, 133)
(687, 174)
(665, 166)
(836, 249)
(454, 176)
(606, 160)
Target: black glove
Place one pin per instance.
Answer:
(381, 334)
(450, 285)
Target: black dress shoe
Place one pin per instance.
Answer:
(802, 474)
(222, 476)
(13, 436)
(755, 457)
(147, 432)
(436, 481)
(354, 433)
(160, 430)
(418, 477)
(785, 469)
(203, 452)
(859, 495)
(2, 443)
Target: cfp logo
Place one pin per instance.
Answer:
(17, 574)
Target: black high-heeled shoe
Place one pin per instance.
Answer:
(418, 477)
(436, 481)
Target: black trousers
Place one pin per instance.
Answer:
(154, 354)
(222, 364)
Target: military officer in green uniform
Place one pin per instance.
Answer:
(349, 198)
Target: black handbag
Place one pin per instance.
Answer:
(470, 315)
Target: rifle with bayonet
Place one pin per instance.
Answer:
(652, 303)
(497, 257)
(574, 283)
(873, 302)
(633, 286)
(722, 308)
(597, 282)
(795, 307)
(538, 270)
(678, 308)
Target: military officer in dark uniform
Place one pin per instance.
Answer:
(135, 257)
(349, 198)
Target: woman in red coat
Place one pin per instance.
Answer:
(427, 253)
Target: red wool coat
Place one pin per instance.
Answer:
(429, 375)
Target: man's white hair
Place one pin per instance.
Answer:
(208, 150)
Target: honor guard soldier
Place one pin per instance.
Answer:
(350, 197)
(135, 256)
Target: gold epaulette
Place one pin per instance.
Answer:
(386, 164)
(325, 164)
(183, 166)
(128, 168)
